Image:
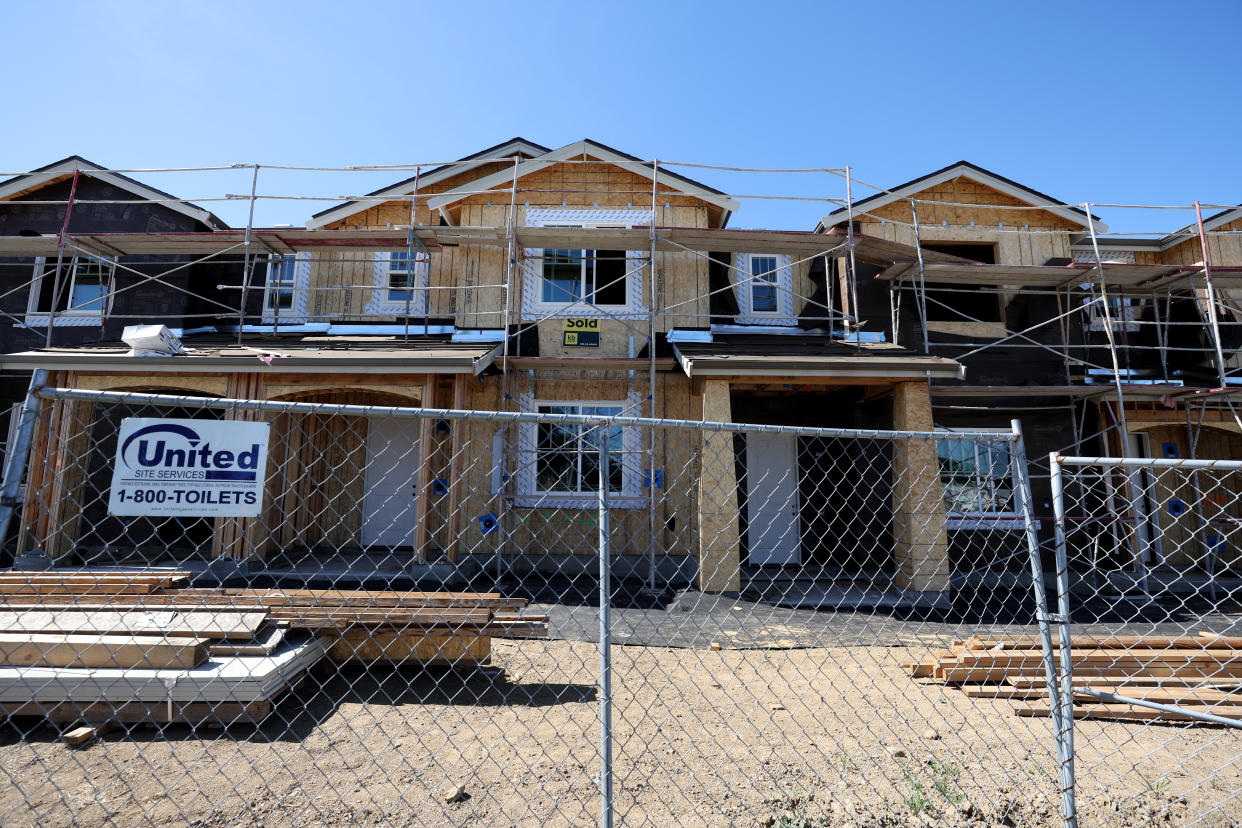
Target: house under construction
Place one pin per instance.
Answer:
(582, 280)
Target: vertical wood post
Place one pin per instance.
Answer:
(422, 494)
(238, 538)
(719, 555)
(460, 389)
(920, 525)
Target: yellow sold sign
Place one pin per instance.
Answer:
(581, 333)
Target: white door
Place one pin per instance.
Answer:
(773, 528)
(1141, 496)
(391, 477)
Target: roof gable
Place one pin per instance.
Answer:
(595, 151)
(963, 169)
(66, 167)
(505, 151)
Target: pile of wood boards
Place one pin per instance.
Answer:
(1200, 673)
(112, 645)
(420, 627)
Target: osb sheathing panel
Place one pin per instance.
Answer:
(574, 531)
(1181, 541)
(1222, 249)
(467, 283)
(586, 186)
(214, 385)
(388, 213)
(1025, 238)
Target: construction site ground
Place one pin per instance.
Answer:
(797, 716)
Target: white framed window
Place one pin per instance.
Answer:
(765, 289)
(559, 463)
(978, 480)
(400, 283)
(1122, 311)
(81, 294)
(584, 282)
(286, 281)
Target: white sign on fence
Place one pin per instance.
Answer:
(189, 467)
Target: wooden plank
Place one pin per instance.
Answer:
(197, 624)
(1138, 681)
(142, 712)
(85, 734)
(247, 599)
(137, 651)
(978, 675)
(920, 669)
(1003, 658)
(444, 649)
(1128, 712)
(1020, 642)
(265, 642)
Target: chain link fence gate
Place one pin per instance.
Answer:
(495, 618)
(1148, 587)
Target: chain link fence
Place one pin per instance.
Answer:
(318, 612)
(1148, 585)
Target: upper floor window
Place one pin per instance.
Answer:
(80, 295)
(285, 284)
(597, 276)
(1122, 311)
(583, 281)
(400, 283)
(765, 294)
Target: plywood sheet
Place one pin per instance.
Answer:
(201, 624)
(229, 679)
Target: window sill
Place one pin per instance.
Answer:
(68, 321)
(999, 522)
(542, 311)
(780, 320)
(577, 501)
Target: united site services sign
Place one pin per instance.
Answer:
(194, 468)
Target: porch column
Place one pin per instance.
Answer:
(719, 559)
(920, 530)
(72, 422)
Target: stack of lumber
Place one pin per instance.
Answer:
(1201, 673)
(135, 646)
(420, 627)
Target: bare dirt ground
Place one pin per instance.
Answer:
(788, 737)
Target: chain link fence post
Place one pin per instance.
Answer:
(605, 640)
(1063, 696)
(1043, 617)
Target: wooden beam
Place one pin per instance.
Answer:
(422, 497)
(150, 652)
(456, 461)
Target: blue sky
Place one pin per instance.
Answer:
(1133, 102)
